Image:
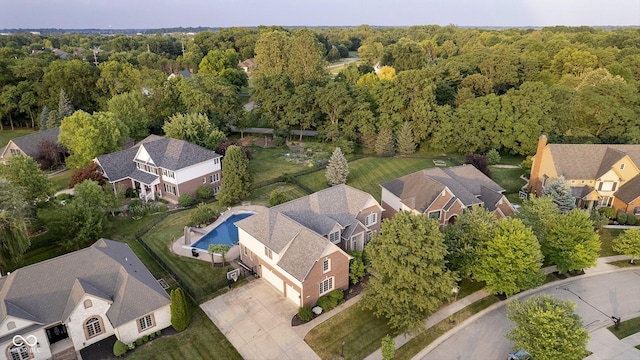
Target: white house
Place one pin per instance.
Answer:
(72, 301)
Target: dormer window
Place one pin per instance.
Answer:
(334, 237)
(622, 166)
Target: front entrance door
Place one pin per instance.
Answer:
(57, 333)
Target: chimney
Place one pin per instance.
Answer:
(535, 181)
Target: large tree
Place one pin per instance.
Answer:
(128, 107)
(305, 64)
(571, 242)
(467, 237)
(548, 328)
(24, 173)
(14, 224)
(337, 168)
(511, 260)
(88, 136)
(411, 279)
(236, 179)
(194, 128)
(628, 243)
(560, 191)
(539, 214)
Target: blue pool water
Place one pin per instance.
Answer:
(226, 233)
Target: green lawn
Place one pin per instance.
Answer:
(201, 340)
(269, 164)
(606, 239)
(6, 135)
(261, 195)
(628, 327)
(61, 180)
(509, 179)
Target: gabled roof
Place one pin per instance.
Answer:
(48, 291)
(630, 190)
(590, 161)
(468, 184)
(29, 143)
(300, 226)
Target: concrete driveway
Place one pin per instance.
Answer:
(257, 321)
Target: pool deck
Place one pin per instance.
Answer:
(180, 248)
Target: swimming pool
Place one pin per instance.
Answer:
(226, 233)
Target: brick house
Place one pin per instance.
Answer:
(162, 167)
(300, 246)
(62, 305)
(444, 193)
(599, 174)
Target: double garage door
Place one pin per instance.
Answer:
(278, 283)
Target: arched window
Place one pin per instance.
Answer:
(19, 352)
(88, 303)
(11, 325)
(93, 327)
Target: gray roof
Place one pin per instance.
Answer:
(29, 143)
(300, 226)
(590, 161)
(168, 153)
(468, 184)
(630, 190)
(47, 292)
(143, 177)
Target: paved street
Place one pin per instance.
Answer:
(598, 297)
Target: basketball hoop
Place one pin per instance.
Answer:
(233, 275)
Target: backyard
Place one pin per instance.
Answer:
(6, 135)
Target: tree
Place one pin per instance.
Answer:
(278, 197)
(221, 249)
(539, 214)
(180, 315)
(225, 65)
(479, 161)
(24, 173)
(388, 348)
(511, 260)
(628, 243)
(191, 127)
(128, 107)
(385, 143)
(201, 214)
(214, 139)
(50, 154)
(357, 268)
(571, 242)
(44, 115)
(464, 239)
(14, 224)
(337, 168)
(560, 191)
(406, 146)
(236, 179)
(89, 172)
(548, 328)
(493, 157)
(89, 136)
(304, 61)
(411, 279)
(65, 107)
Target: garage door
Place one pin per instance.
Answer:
(293, 295)
(272, 278)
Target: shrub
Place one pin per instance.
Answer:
(388, 348)
(159, 332)
(89, 172)
(527, 163)
(337, 295)
(180, 316)
(347, 146)
(204, 192)
(131, 346)
(130, 193)
(632, 220)
(164, 201)
(327, 303)
(139, 342)
(493, 156)
(145, 338)
(119, 348)
(163, 208)
(277, 197)
(138, 208)
(621, 218)
(186, 200)
(152, 336)
(201, 214)
(305, 313)
(357, 268)
(610, 213)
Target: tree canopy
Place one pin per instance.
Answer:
(628, 243)
(236, 179)
(571, 242)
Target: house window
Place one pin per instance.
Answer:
(215, 177)
(326, 265)
(606, 201)
(368, 236)
(326, 285)
(168, 173)
(573, 181)
(19, 352)
(621, 166)
(334, 237)
(268, 252)
(11, 325)
(204, 180)
(145, 322)
(170, 189)
(216, 161)
(371, 219)
(636, 211)
(244, 249)
(607, 186)
(582, 182)
(434, 215)
(93, 327)
(14, 151)
(216, 189)
(88, 303)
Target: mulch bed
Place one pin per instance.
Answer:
(348, 294)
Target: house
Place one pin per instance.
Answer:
(67, 303)
(598, 174)
(162, 167)
(300, 246)
(184, 73)
(247, 65)
(28, 145)
(444, 193)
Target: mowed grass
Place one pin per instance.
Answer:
(269, 164)
(8, 134)
(606, 240)
(509, 179)
(358, 328)
(261, 195)
(626, 328)
(201, 340)
(61, 181)
(367, 174)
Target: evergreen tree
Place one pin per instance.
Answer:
(406, 145)
(560, 192)
(236, 179)
(385, 143)
(52, 119)
(180, 316)
(44, 116)
(65, 107)
(337, 168)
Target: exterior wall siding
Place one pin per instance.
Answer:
(128, 333)
(390, 203)
(366, 212)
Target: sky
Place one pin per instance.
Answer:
(141, 14)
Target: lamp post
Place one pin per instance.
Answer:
(342, 352)
(455, 291)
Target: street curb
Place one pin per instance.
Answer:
(518, 296)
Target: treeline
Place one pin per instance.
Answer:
(467, 90)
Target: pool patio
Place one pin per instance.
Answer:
(182, 246)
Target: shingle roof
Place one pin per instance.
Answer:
(590, 161)
(468, 184)
(29, 143)
(47, 291)
(300, 225)
(630, 190)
